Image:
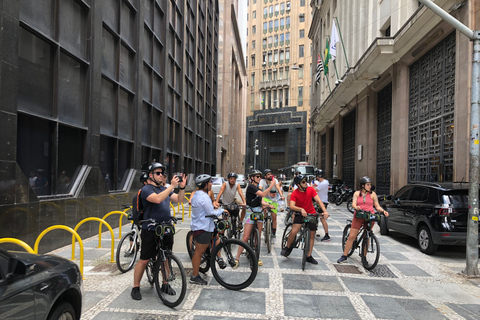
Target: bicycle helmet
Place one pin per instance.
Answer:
(254, 173)
(144, 177)
(202, 180)
(232, 175)
(297, 172)
(320, 173)
(298, 179)
(156, 165)
(266, 171)
(365, 180)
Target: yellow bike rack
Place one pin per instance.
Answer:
(189, 206)
(75, 234)
(101, 221)
(121, 213)
(183, 209)
(19, 242)
(173, 208)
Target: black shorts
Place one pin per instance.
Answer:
(204, 238)
(149, 244)
(298, 219)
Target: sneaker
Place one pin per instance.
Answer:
(236, 264)
(274, 239)
(221, 263)
(136, 295)
(260, 263)
(342, 259)
(166, 288)
(326, 238)
(197, 280)
(312, 260)
(285, 252)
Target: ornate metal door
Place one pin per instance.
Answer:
(348, 162)
(384, 138)
(323, 151)
(430, 132)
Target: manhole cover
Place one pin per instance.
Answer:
(382, 271)
(347, 269)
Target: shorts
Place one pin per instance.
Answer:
(320, 209)
(298, 219)
(357, 223)
(149, 244)
(204, 237)
(248, 219)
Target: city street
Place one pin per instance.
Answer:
(406, 284)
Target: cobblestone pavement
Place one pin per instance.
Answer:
(406, 284)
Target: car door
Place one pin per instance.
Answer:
(396, 208)
(415, 209)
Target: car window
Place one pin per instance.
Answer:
(419, 194)
(217, 181)
(403, 193)
(457, 198)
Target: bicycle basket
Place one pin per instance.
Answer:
(367, 215)
(232, 208)
(256, 216)
(164, 230)
(310, 219)
(223, 225)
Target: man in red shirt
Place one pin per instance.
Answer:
(301, 202)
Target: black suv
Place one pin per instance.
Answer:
(433, 213)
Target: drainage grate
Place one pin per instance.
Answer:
(382, 271)
(347, 269)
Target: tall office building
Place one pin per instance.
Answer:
(91, 92)
(279, 73)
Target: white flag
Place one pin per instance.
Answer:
(334, 38)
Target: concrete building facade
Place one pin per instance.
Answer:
(279, 77)
(400, 111)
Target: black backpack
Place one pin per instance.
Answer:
(137, 208)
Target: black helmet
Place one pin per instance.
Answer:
(320, 173)
(266, 171)
(297, 172)
(156, 165)
(365, 180)
(232, 175)
(299, 179)
(202, 180)
(254, 173)
(144, 177)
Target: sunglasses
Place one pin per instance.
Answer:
(159, 173)
(303, 181)
(258, 176)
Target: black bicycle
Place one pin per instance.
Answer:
(366, 239)
(221, 258)
(165, 270)
(234, 220)
(302, 239)
(268, 228)
(254, 238)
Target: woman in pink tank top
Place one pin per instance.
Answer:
(364, 199)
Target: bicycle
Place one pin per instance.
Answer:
(234, 220)
(370, 247)
(268, 228)
(302, 239)
(166, 268)
(128, 248)
(226, 275)
(254, 238)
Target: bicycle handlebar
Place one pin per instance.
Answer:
(155, 222)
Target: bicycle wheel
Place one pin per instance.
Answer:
(170, 280)
(349, 206)
(370, 251)
(268, 234)
(254, 241)
(230, 278)
(232, 231)
(205, 261)
(286, 233)
(346, 234)
(306, 247)
(150, 271)
(127, 252)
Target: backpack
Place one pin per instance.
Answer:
(137, 208)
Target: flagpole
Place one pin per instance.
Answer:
(326, 76)
(343, 46)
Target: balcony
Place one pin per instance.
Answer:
(264, 46)
(288, 26)
(270, 29)
(264, 85)
(282, 27)
(287, 42)
(282, 11)
(275, 44)
(281, 43)
(269, 45)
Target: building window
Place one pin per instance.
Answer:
(252, 101)
(282, 23)
(275, 102)
(270, 10)
(280, 73)
(286, 95)
(275, 60)
(300, 71)
(254, 14)
(287, 20)
(264, 75)
(300, 96)
(302, 17)
(301, 51)
(274, 74)
(262, 101)
(265, 27)
(277, 9)
(270, 75)
(287, 74)
(254, 29)
(269, 98)
(302, 3)
(265, 11)
(253, 44)
(253, 79)
(253, 60)
(302, 33)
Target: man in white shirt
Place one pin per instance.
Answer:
(275, 194)
(321, 186)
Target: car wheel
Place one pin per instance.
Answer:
(425, 241)
(63, 311)
(383, 226)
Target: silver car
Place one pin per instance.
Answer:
(241, 181)
(217, 184)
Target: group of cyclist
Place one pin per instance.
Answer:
(156, 196)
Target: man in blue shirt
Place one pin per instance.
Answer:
(156, 200)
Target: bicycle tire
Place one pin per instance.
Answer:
(126, 254)
(306, 247)
(232, 231)
(268, 234)
(370, 251)
(339, 201)
(254, 241)
(230, 278)
(205, 261)
(286, 233)
(176, 278)
(346, 233)
(150, 272)
(349, 205)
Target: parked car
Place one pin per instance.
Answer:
(433, 213)
(39, 287)
(241, 180)
(333, 184)
(217, 184)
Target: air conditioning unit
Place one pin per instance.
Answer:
(288, 6)
(264, 63)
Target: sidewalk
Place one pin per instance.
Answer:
(406, 284)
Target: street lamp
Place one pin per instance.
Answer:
(255, 148)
